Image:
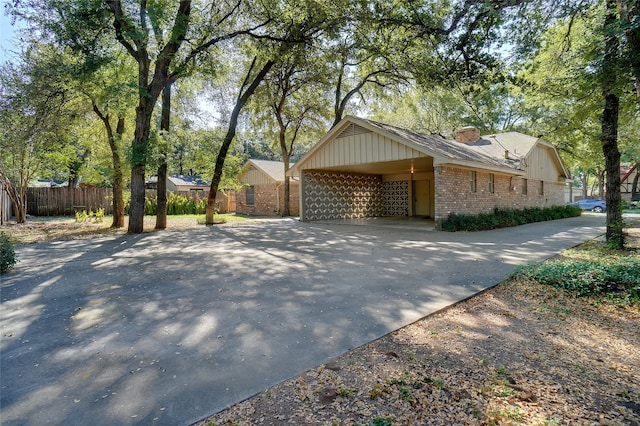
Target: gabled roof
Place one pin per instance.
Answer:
(488, 152)
(273, 169)
(447, 149)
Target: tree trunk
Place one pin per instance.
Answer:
(161, 214)
(231, 132)
(286, 210)
(609, 140)
(602, 176)
(609, 135)
(21, 212)
(16, 203)
(139, 149)
(118, 201)
(14, 196)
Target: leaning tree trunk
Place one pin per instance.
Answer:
(231, 132)
(118, 202)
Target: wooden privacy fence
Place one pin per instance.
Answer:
(64, 201)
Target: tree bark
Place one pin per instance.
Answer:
(231, 132)
(161, 214)
(286, 210)
(140, 146)
(118, 202)
(609, 135)
(135, 41)
(14, 196)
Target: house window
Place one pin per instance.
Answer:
(472, 181)
(251, 196)
(491, 183)
(524, 187)
(541, 187)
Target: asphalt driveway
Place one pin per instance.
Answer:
(167, 328)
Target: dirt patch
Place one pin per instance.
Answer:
(61, 229)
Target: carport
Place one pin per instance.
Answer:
(363, 169)
(359, 171)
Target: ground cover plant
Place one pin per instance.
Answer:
(7, 253)
(590, 270)
(503, 218)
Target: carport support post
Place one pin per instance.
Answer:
(412, 201)
(303, 194)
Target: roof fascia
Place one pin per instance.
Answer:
(481, 166)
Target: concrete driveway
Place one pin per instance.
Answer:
(167, 328)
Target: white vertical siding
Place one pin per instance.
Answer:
(255, 177)
(541, 165)
(358, 149)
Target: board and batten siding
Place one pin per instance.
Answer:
(254, 177)
(360, 148)
(542, 165)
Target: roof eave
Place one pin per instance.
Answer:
(483, 166)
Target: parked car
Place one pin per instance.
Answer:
(597, 206)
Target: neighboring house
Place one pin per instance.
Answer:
(180, 183)
(195, 186)
(263, 191)
(187, 183)
(48, 183)
(366, 169)
(627, 177)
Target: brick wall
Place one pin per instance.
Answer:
(269, 200)
(453, 193)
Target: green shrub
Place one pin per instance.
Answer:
(608, 275)
(7, 254)
(176, 205)
(503, 218)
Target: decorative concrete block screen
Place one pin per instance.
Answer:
(341, 196)
(396, 198)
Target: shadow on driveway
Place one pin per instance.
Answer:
(168, 328)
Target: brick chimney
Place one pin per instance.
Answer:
(467, 134)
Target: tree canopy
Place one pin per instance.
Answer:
(283, 72)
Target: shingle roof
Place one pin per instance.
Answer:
(504, 152)
(488, 149)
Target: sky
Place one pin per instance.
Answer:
(6, 35)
